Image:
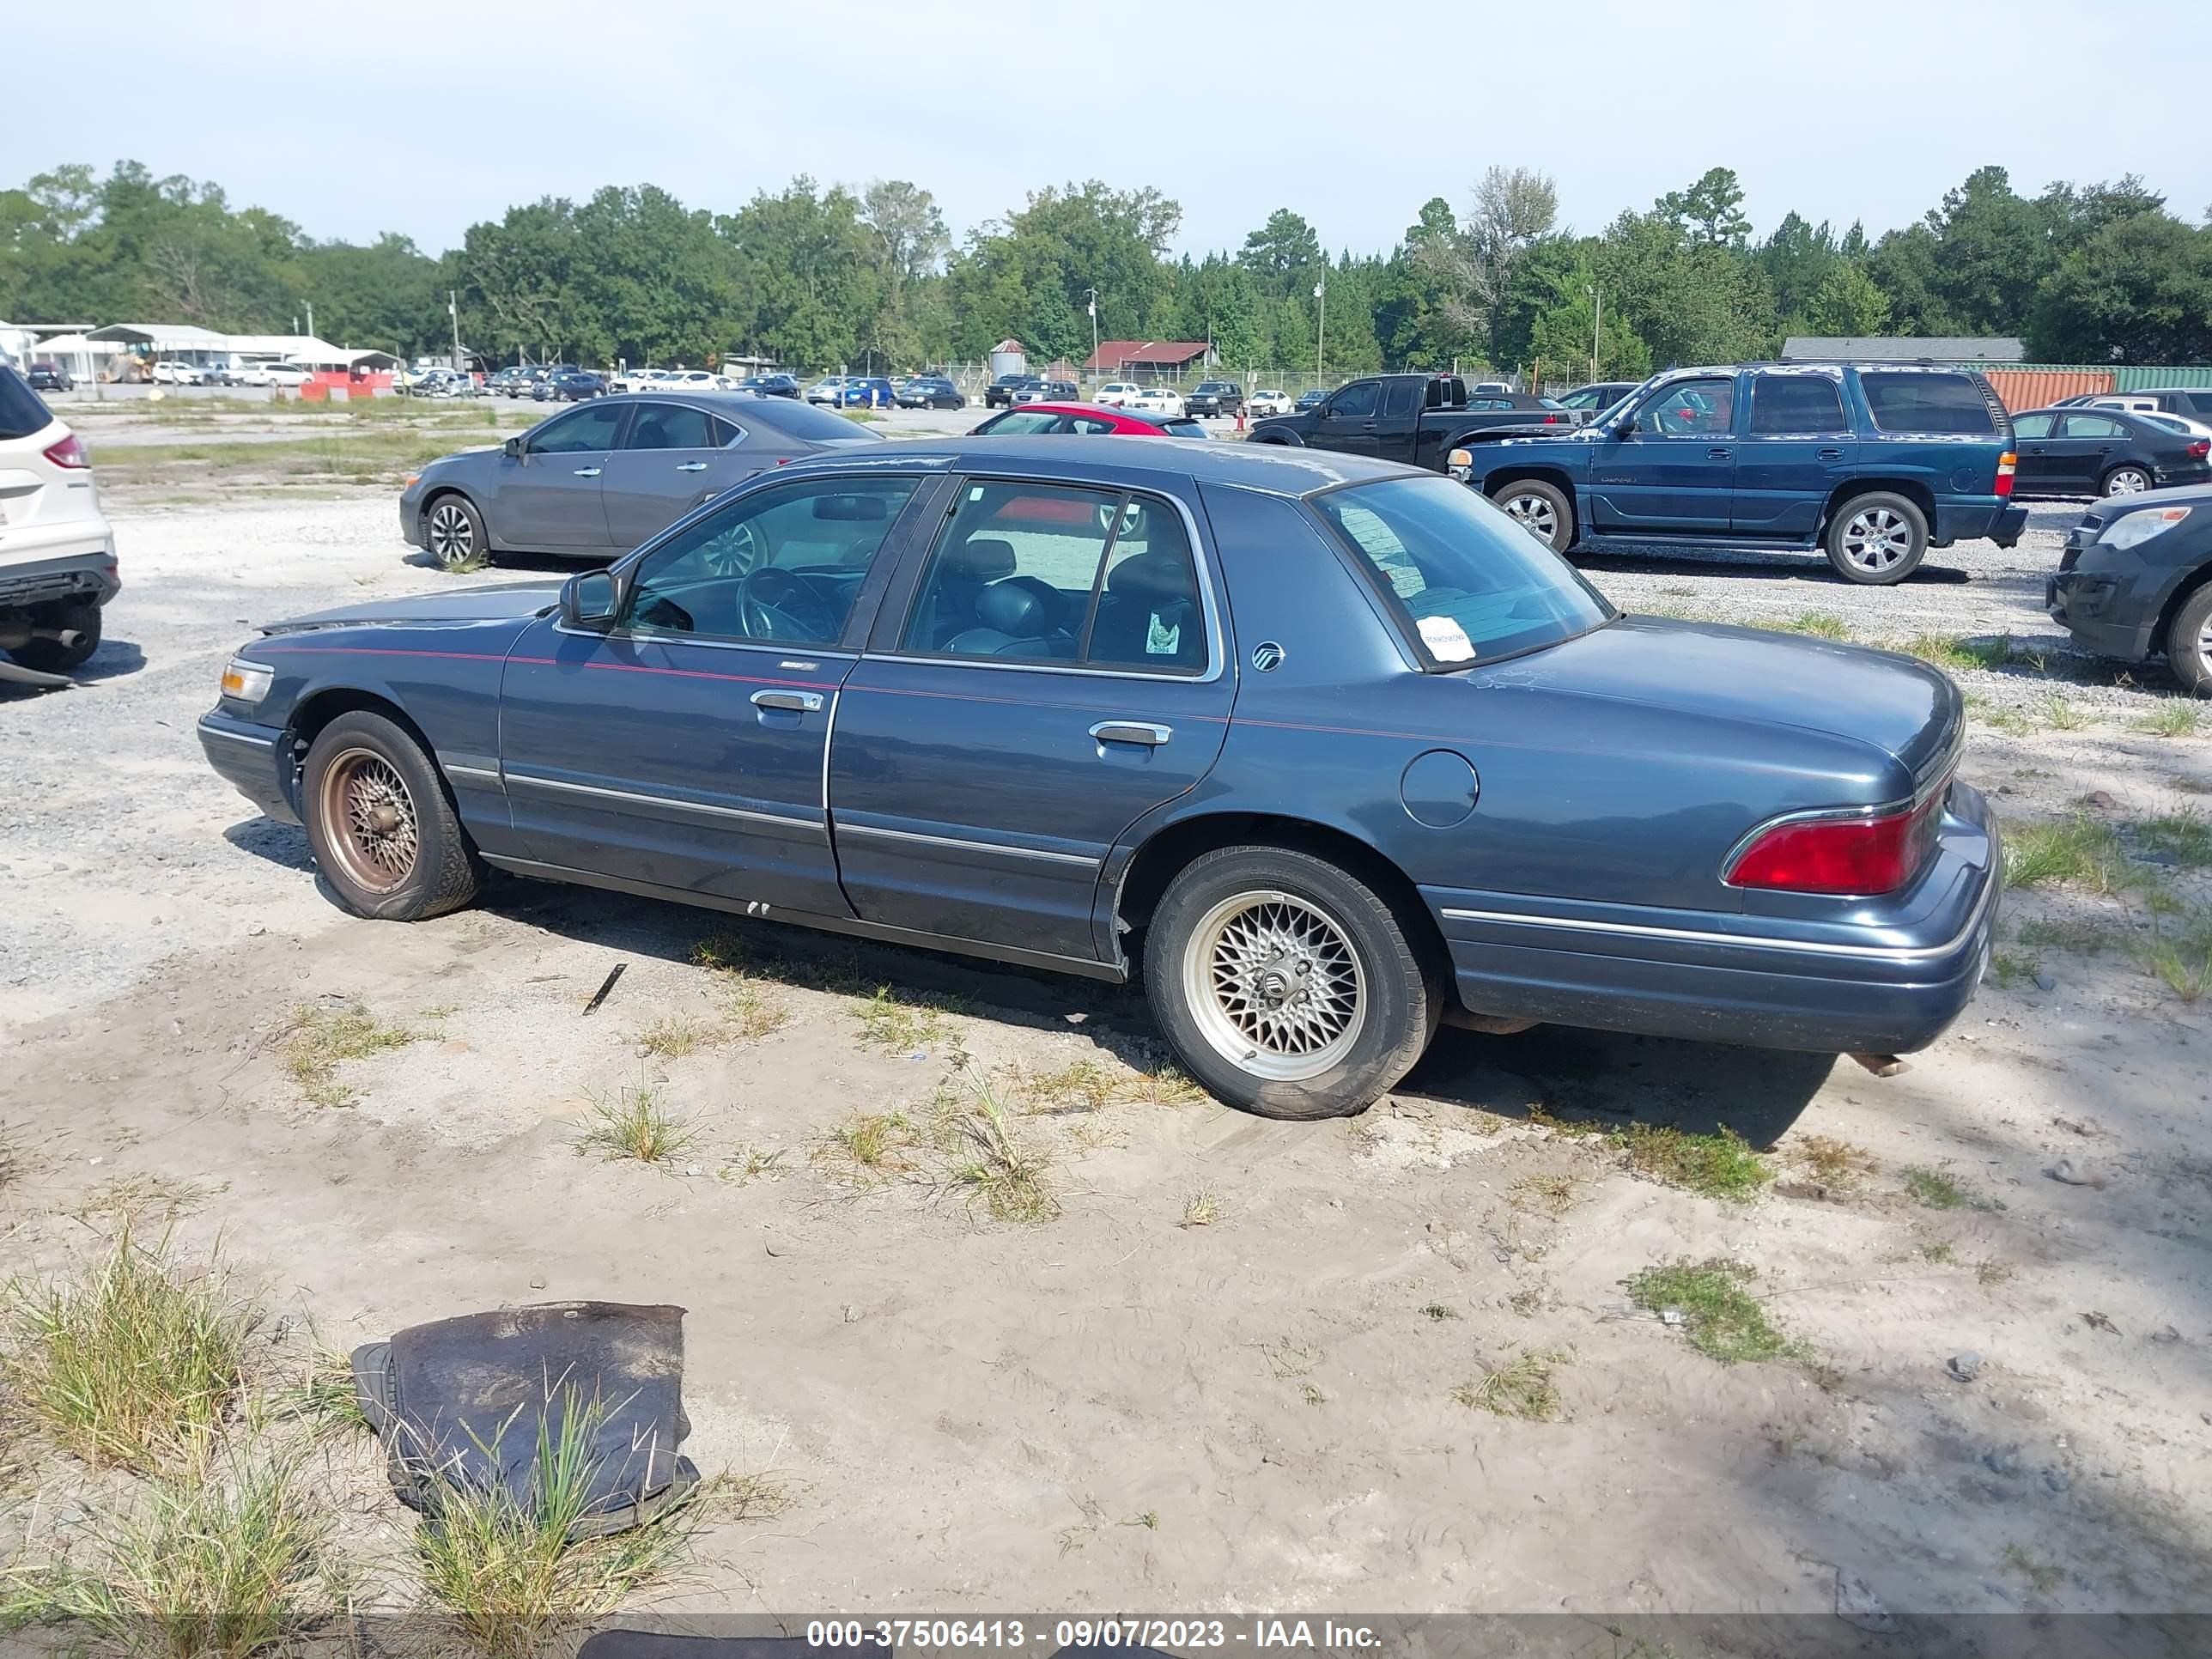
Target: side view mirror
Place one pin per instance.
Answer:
(589, 601)
(512, 449)
(1625, 427)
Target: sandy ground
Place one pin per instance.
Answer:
(1112, 1408)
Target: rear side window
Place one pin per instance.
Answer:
(22, 411)
(670, 426)
(1926, 402)
(2198, 403)
(1784, 404)
(1047, 573)
(2032, 426)
(1405, 398)
(2095, 426)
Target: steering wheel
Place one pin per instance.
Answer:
(774, 604)
(734, 552)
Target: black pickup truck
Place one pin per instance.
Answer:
(1419, 418)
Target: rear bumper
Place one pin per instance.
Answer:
(75, 561)
(247, 756)
(1732, 977)
(1995, 517)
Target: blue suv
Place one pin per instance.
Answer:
(1872, 464)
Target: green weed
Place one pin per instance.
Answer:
(1722, 1318)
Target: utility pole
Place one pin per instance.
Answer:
(1321, 327)
(311, 317)
(1597, 320)
(453, 310)
(1093, 293)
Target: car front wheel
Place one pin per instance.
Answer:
(384, 831)
(1288, 987)
(2189, 641)
(1540, 509)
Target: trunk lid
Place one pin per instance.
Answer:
(1895, 703)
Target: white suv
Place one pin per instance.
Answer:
(56, 554)
(1118, 393)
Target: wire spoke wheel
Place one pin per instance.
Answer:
(370, 819)
(1876, 539)
(1275, 986)
(453, 537)
(1533, 513)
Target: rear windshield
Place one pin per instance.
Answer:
(1471, 585)
(804, 422)
(1183, 429)
(1927, 402)
(22, 411)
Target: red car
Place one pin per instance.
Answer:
(1031, 420)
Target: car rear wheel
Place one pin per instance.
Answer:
(383, 828)
(454, 532)
(1288, 987)
(2189, 641)
(1540, 509)
(78, 616)
(1877, 540)
(2127, 481)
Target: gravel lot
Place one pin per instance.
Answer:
(1125, 1405)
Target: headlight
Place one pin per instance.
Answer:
(246, 682)
(2133, 529)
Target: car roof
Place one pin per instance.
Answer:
(1275, 469)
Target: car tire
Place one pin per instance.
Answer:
(2189, 642)
(1228, 904)
(1541, 510)
(52, 656)
(1877, 540)
(453, 532)
(383, 827)
(2127, 481)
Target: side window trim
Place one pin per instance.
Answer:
(883, 641)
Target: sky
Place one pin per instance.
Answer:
(352, 119)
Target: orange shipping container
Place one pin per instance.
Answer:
(2039, 388)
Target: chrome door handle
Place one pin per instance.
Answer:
(1830, 454)
(804, 703)
(692, 466)
(1132, 731)
(588, 472)
(1718, 454)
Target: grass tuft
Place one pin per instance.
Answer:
(634, 1122)
(867, 1148)
(1955, 653)
(899, 1023)
(677, 1037)
(1203, 1208)
(2170, 719)
(1821, 624)
(326, 1396)
(211, 1564)
(1554, 1194)
(510, 1573)
(2074, 850)
(133, 1359)
(320, 1040)
(1720, 1165)
(1521, 1387)
(2185, 837)
(2181, 959)
(2087, 938)
(1011, 1176)
(1723, 1321)
(1938, 1189)
(1833, 1161)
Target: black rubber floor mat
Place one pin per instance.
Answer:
(469, 1401)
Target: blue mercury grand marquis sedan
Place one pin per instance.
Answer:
(1324, 749)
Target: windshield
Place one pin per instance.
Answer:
(797, 420)
(1471, 583)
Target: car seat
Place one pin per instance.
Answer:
(1149, 614)
(962, 574)
(1013, 621)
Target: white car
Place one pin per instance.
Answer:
(2180, 423)
(1118, 393)
(1157, 400)
(826, 390)
(166, 373)
(290, 376)
(56, 554)
(1267, 401)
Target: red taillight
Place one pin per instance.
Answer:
(2200, 449)
(1840, 855)
(68, 453)
(2006, 462)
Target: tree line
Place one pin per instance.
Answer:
(817, 277)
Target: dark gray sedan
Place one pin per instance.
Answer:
(595, 481)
